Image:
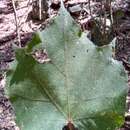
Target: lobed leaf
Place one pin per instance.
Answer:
(82, 84)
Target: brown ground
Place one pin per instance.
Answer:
(28, 24)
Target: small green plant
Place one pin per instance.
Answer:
(81, 88)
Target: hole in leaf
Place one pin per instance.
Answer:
(74, 56)
(41, 56)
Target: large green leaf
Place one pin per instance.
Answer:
(82, 83)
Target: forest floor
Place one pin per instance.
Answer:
(27, 25)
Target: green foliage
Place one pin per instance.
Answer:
(35, 41)
(119, 14)
(82, 83)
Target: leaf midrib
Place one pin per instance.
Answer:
(50, 97)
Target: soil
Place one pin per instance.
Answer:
(27, 25)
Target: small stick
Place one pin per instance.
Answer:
(90, 11)
(40, 9)
(16, 22)
(111, 12)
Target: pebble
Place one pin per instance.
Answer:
(75, 9)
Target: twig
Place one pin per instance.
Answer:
(40, 9)
(111, 13)
(89, 4)
(28, 3)
(104, 23)
(16, 23)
